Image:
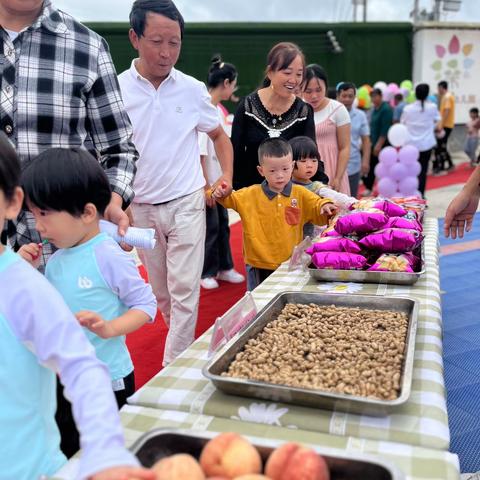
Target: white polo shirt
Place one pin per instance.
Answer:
(166, 122)
(420, 124)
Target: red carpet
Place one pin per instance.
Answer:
(146, 344)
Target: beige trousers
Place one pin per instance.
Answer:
(175, 265)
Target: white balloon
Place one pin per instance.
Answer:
(381, 86)
(398, 135)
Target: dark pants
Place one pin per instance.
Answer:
(422, 177)
(255, 276)
(354, 180)
(441, 152)
(369, 180)
(70, 438)
(218, 255)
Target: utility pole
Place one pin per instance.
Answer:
(354, 11)
(364, 10)
(436, 10)
(415, 11)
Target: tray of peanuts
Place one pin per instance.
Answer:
(351, 353)
(197, 455)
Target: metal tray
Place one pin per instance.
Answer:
(159, 443)
(364, 276)
(310, 397)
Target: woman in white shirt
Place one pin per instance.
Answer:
(218, 263)
(421, 118)
(332, 128)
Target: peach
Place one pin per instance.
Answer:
(252, 476)
(178, 467)
(230, 455)
(291, 461)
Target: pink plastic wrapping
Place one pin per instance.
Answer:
(403, 222)
(339, 260)
(334, 244)
(361, 221)
(392, 240)
(390, 208)
(391, 262)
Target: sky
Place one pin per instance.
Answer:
(267, 10)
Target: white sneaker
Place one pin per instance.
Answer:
(231, 276)
(208, 283)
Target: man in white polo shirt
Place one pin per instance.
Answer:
(168, 109)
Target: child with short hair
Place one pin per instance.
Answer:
(67, 192)
(471, 142)
(273, 213)
(306, 161)
(39, 336)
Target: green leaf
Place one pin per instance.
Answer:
(437, 65)
(452, 63)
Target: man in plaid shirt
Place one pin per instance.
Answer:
(59, 89)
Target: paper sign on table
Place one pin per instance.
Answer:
(232, 321)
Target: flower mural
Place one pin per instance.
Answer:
(453, 61)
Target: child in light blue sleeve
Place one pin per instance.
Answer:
(39, 336)
(67, 192)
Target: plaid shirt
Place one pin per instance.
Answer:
(59, 89)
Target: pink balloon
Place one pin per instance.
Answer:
(387, 187)
(398, 171)
(388, 155)
(382, 170)
(414, 169)
(408, 154)
(408, 186)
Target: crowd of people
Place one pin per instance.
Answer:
(149, 148)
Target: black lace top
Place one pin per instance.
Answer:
(253, 123)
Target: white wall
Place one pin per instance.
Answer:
(451, 54)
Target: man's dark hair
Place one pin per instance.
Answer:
(376, 91)
(443, 84)
(342, 86)
(65, 180)
(474, 110)
(140, 9)
(398, 97)
(273, 147)
(9, 168)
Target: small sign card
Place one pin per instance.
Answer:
(232, 321)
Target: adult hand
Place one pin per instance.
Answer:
(335, 184)
(116, 215)
(95, 323)
(209, 200)
(124, 473)
(459, 215)
(365, 168)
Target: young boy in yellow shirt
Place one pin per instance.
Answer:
(273, 213)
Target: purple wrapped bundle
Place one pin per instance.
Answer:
(334, 244)
(392, 240)
(339, 260)
(361, 221)
(391, 262)
(403, 222)
(387, 206)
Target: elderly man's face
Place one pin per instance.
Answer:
(158, 47)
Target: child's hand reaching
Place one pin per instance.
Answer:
(221, 190)
(329, 209)
(95, 323)
(31, 253)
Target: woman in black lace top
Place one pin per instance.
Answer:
(272, 111)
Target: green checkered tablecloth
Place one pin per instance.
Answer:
(421, 421)
(416, 463)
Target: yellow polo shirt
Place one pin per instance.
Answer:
(448, 101)
(273, 222)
